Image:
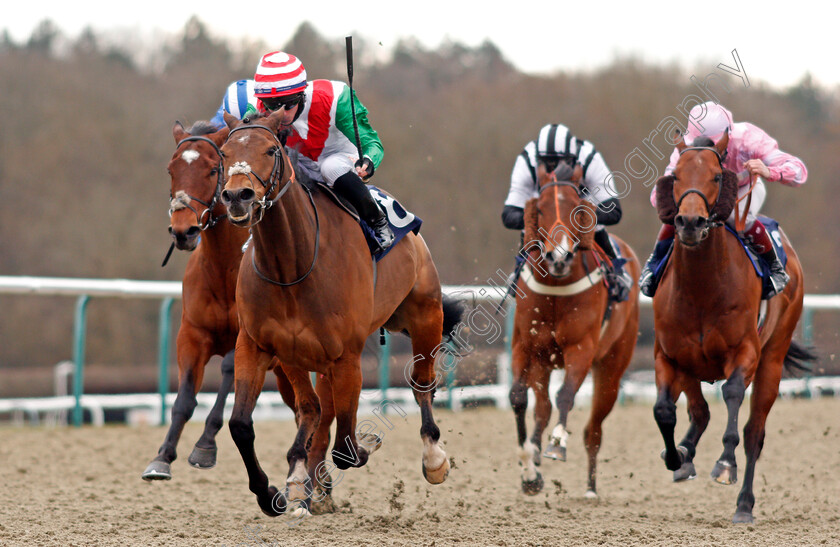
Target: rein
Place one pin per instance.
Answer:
(281, 161)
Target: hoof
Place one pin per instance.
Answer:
(322, 503)
(346, 461)
(437, 476)
(682, 457)
(591, 495)
(533, 487)
(203, 458)
(300, 512)
(742, 517)
(157, 471)
(686, 472)
(370, 442)
(274, 504)
(725, 473)
(555, 452)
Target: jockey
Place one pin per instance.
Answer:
(750, 152)
(318, 123)
(555, 143)
(238, 96)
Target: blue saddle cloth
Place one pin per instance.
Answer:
(401, 221)
(762, 269)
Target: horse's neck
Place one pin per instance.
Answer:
(222, 244)
(285, 237)
(706, 269)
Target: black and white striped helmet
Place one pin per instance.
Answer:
(556, 141)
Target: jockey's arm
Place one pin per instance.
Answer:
(371, 145)
(522, 188)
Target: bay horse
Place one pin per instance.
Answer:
(564, 319)
(310, 294)
(706, 313)
(209, 320)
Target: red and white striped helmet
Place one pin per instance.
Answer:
(279, 74)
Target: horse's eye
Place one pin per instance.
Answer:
(719, 178)
(273, 151)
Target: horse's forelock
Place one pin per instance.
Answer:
(666, 207)
(201, 128)
(703, 142)
(727, 195)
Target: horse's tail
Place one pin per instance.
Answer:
(453, 312)
(798, 356)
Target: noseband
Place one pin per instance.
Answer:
(211, 219)
(713, 221)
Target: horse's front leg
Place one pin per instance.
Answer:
(665, 409)
(194, 350)
(726, 469)
(249, 376)
(529, 455)
(204, 453)
(698, 414)
(578, 360)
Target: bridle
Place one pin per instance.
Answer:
(211, 219)
(556, 185)
(281, 162)
(713, 220)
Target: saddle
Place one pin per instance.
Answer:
(400, 220)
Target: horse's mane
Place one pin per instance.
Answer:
(202, 127)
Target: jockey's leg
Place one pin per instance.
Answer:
(351, 187)
(647, 281)
(759, 241)
(618, 279)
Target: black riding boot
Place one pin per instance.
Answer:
(618, 279)
(351, 187)
(778, 276)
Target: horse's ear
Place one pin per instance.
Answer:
(231, 120)
(577, 174)
(666, 207)
(722, 143)
(178, 132)
(542, 174)
(727, 195)
(679, 141)
(220, 136)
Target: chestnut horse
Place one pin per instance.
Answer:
(309, 294)
(564, 319)
(209, 321)
(706, 312)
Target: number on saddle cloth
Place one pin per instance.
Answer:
(401, 221)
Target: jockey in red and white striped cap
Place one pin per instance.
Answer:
(318, 122)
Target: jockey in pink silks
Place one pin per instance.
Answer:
(751, 152)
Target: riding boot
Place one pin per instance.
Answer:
(758, 239)
(647, 280)
(351, 187)
(618, 280)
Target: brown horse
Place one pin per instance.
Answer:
(310, 294)
(564, 319)
(209, 321)
(706, 312)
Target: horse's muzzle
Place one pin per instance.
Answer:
(239, 203)
(185, 240)
(691, 229)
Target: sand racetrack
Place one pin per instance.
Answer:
(82, 487)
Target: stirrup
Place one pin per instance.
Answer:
(647, 281)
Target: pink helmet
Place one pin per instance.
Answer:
(279, 74)
(713, 118)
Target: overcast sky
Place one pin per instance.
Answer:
(778, 42)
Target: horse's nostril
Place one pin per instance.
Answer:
(247, 194)
(193, 231)
(679, 222)
(170, 230)
(227, 196)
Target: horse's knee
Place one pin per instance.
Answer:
(519, 397)
(241, 428)
(665, 412)
(227, 364)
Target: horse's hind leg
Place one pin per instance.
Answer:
(698, 415)
(298, 483)
(204, 453)
(726, 469)
(249, 376)
(578, 360)
(319, 472)
(346, 380)
(193, 353)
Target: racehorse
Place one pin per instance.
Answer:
(309, 294)
(706, 314)
(564, 319)
(209, 321)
